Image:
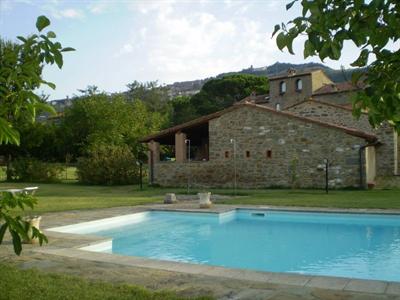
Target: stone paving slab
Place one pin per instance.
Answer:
(393, 288)
(369, 286)
(328, 282)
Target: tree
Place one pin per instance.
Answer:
(182, 110)
(154, 96)
(219, 93)
(21, 68)
(109, 120)
(374, 27)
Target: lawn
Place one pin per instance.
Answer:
(71, 195)
(31, 284)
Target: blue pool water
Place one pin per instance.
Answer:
(348, 245)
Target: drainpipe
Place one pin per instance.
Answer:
(360, 151)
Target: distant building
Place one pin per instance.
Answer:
(280, 139)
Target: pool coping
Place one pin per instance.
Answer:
(281, 278)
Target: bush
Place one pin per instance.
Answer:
(108, 164)
(33, 170)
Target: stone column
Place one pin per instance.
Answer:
(154, 149)
(180, 147)
(154, 157)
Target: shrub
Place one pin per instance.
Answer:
(33, 170)
(108, 164)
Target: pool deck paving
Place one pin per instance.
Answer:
(62, 255)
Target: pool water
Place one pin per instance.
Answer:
(348, 245)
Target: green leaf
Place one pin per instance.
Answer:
(49, 84)
(42, 22)
(3, 229)
(362, 60)
(335, 54)
(58, 59)
(21, 39)
(51, 35)
(281, 41)
(355, 77)
(289, 5)
(16, 242)
(308, 49)
(66, 49)
(276, 28)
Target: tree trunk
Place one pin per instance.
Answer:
(8, 170)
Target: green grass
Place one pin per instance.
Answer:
(32, 284)
(71, 196)
(384, 199)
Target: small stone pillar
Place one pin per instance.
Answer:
(170, 198)
(180, 147)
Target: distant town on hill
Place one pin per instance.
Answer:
(192, 87)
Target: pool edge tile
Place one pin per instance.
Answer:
(366, 286)
(332, 283)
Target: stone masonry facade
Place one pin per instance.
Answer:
(386, 153)
(271, 151)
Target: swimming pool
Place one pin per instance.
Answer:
(365, 246)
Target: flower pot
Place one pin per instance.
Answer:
(34, 222)
(204, 200)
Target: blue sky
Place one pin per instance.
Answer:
(119, 41)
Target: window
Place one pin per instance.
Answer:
(278, 106)
(299, 85)
(282, 87)
(226, 154)
(247, 154)
(269, 154)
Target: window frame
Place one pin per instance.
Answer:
(297, 85)
(282, 87)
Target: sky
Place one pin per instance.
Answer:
(119, 41)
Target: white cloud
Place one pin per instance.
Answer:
(149, 6)
(99, 7)
(58, 10)
(125, 49)
(198, 44)
(69, 13)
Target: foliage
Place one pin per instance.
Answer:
(108, 164)
(154, 96)
(104, 119)
(33, 170)
(21, 68)
(42, 141)
(33, 284)
(19, 228)
(217, 94)
(182, 110)
(373, 26)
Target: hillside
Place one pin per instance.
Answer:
(193, 86)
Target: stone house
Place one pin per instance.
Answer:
(282, 139)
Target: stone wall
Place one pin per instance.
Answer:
(271, 150)
(386, 153)
(335, 115)
(291, 95)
